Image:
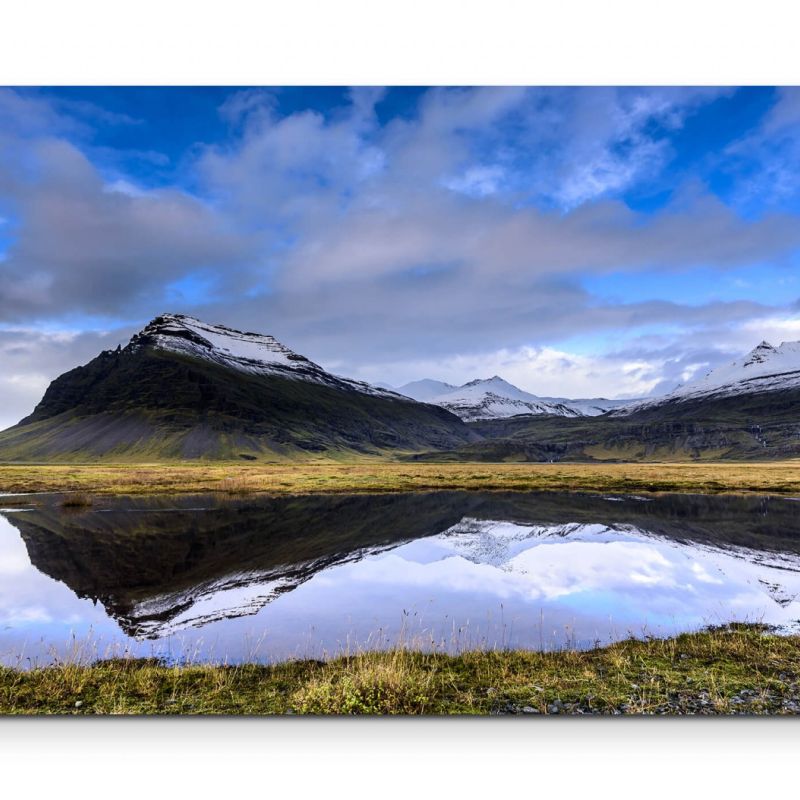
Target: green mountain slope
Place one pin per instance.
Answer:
(149, 402)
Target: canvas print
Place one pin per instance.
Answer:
(399, 401)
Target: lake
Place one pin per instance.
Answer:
(268, 578)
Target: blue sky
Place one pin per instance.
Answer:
(577, 241)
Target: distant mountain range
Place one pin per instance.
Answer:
(184, 389)
(744, 410)
(494, 398)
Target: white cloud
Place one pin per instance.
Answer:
(122, 186)
(544, 371)
(477, 181)
(85, 246)
(775, 329)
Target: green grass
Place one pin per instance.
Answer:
(719, 671)
(775, 477)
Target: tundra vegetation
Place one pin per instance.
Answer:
(773, 477)
(741, 669)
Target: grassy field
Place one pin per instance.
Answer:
(769, 478)
(724, 671)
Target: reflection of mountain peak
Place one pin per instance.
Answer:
(547, 562)
(496, 542)
(168, 564)
(237, 595)
(487, 541)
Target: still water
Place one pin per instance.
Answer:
(269, 578)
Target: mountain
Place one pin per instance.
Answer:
(745, 410)
(184, 389)
(766, 370)
(426, 389)
(495, 398)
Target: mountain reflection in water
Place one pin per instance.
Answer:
(272, 578)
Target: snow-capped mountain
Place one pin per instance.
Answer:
(764, 369)
(495, 398)
(255, 353)
(182, 388)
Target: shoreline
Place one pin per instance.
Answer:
(733, 670)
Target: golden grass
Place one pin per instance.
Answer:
(781, 477)
(235, 485)
(722, 671)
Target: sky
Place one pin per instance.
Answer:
(578, 242)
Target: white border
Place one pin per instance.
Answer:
(414, 42)
(303, 42)
(400, 758)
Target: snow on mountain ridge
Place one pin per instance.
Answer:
(493, 406)
(495, 398)
(255, 353)
(759, 354)
(248, 351)
(765, 368)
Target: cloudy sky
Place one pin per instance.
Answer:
(578, 242)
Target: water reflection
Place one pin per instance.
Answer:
(271, 578)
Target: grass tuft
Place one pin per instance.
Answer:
(77, 500)
(235, 485)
